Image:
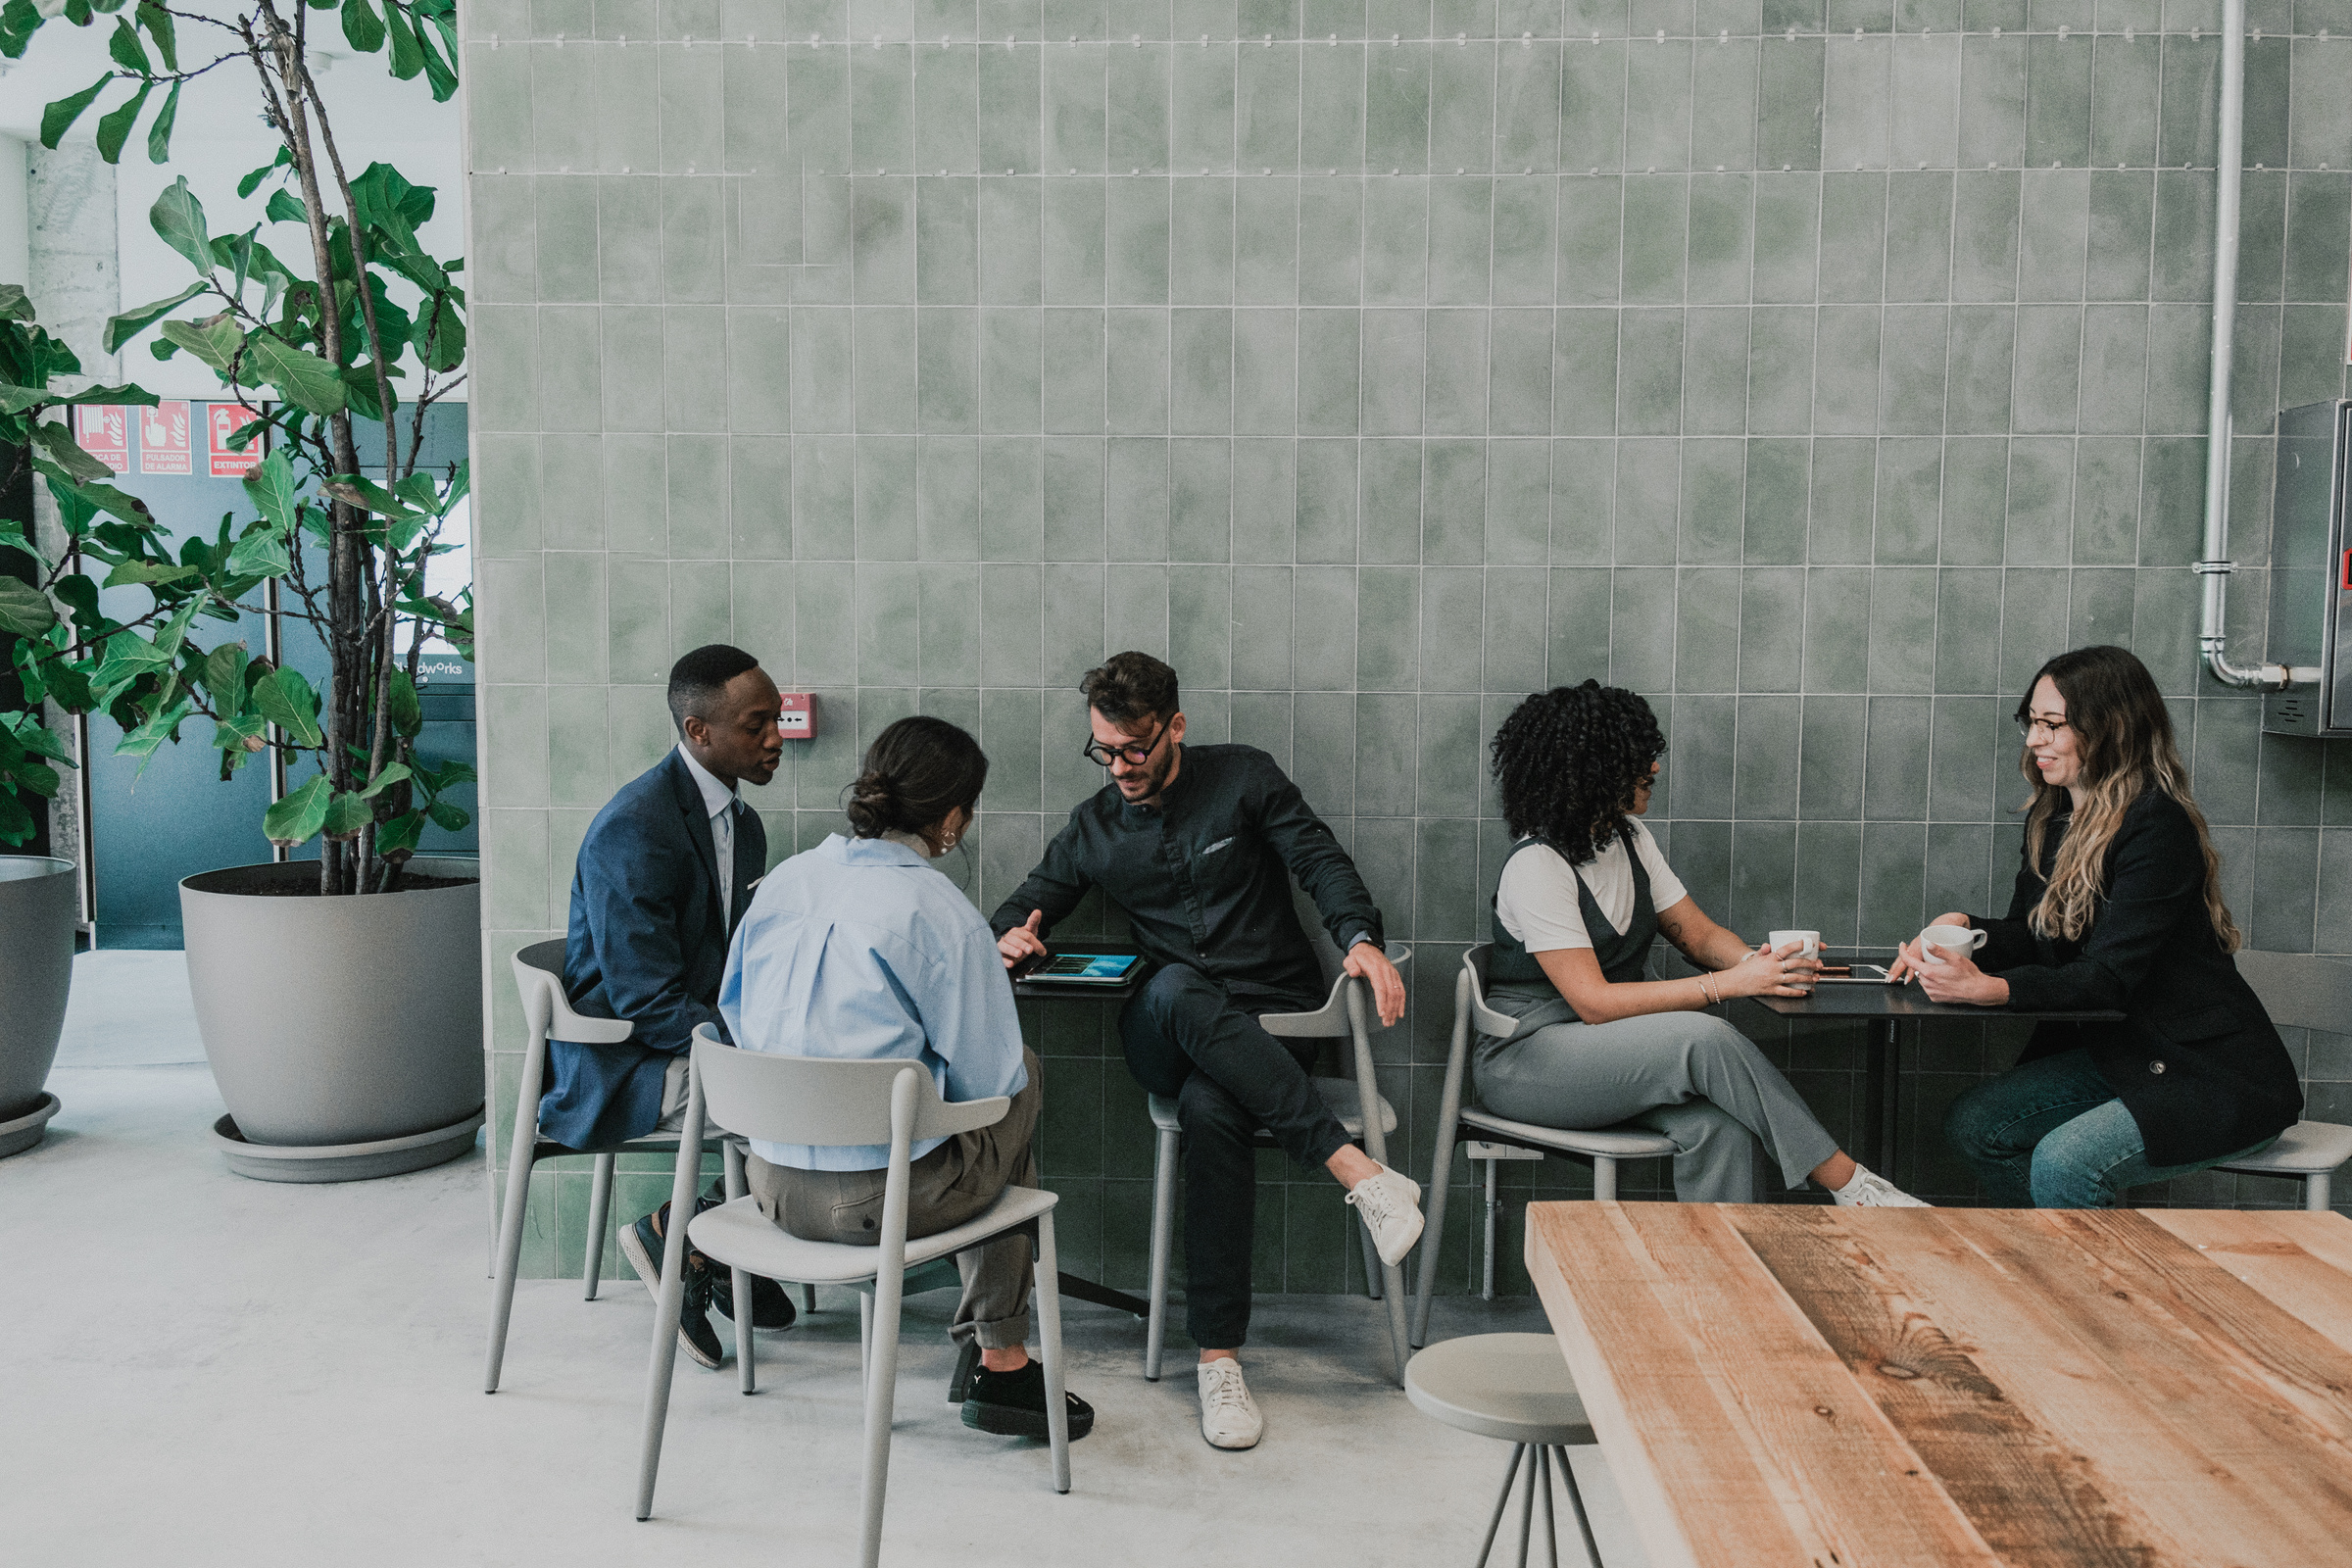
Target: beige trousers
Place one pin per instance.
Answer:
(955, 1183)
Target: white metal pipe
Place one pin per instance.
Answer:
(2216, 566)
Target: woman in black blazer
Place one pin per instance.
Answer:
(2118, 906)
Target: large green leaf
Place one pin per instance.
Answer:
(25, 609)
(300, 815)
(440, 75)
(270, 488)
(393, 773)
(57, 118)
(126, 51)
(134, 572)
(363, 28)
(286, 700)
(158, 22)
(14, 306)
(158, 134)
(16, 399)
(252, 181)
(346, 816)
(223, 676)
(20, 19)
(216, 340)
(408, 714)
(260, 552)
(285, 207)
(115, 128)
(407, 54)
(177, 217)
(67, 454)
(29, 734)
(400, 835)
(307, 382)
(128, 656)
(121, 330)
(162, 727)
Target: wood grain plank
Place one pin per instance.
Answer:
(2038, 1497)
(2301, 1262)
(1751, 1431)
(2200, 1459)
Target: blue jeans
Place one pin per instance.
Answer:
(2052, 1134)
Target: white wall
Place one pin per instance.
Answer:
(15, 222)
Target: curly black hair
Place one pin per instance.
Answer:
(1568, 762)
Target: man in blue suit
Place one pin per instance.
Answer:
(663, 874)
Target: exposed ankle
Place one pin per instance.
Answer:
(1011, 1359)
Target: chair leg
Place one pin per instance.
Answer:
(1486, 1289)
(510, 1254)
(865, 1335)
(1433, 1235)
(1399, 1332)
(745, 1358)
(881, 1388)
(1576, 1505)
(2315, 1192)
(1502, 1501)
(1372, 1264)
(664, 1360)
(600, 1213)
(808, 1297)
(1048, 1296)
(1605, 1179)
(1163, 1228)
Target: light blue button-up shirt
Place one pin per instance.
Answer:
(860, 949)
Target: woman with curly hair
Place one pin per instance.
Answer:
(1583, 896)
(2117, 905)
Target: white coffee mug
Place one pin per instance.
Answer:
(1810, 938)
(1939, 941)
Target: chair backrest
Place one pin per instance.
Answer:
(1484, 1020)
(546, 1011)
(823, 1101)
(2300, 991)
(1330, 1020)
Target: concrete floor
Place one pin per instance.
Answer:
(200, 1369)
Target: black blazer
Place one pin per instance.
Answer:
(2195, 1059)
(647, 943)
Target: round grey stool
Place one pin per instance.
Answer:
(1516, 1387)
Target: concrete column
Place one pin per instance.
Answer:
(16, 219)
(73, 271)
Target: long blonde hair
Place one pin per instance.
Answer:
(2124, 745)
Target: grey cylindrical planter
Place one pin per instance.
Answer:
(39, 904)
(340, 1026)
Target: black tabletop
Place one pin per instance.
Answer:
(1905, 1001)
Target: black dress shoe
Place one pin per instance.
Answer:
(642, 1244)
(771, 1304)
(1013, 1404)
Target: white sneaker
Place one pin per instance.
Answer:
(1229, 1417)
(1868, 1190)
(1391, 1203)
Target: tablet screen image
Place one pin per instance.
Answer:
(1086, 969)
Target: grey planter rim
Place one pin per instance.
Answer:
(197, 881)
(341, 1162)
(26, 1132)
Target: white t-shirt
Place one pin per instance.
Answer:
(1537, 900)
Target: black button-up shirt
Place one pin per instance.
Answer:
(1201, 876)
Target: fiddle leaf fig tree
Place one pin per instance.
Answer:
(310, 336)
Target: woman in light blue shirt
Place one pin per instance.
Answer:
(860, 950)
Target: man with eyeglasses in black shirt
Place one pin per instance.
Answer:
(1194, 843)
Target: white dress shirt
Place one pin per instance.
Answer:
(721, 802)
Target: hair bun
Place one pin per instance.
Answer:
(873, 806)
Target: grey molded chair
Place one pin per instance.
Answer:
(1514, 1386)
(1342, 1016)
(2302, 992)
(1601, 1149)
(812, 1100)
(539, 976)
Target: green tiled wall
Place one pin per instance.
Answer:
(1815, 370)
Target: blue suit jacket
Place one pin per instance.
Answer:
(647, 943)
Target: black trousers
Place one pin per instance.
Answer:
(1187, 1039)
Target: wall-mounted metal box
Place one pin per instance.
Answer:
(2310, 571)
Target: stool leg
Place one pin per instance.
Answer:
(1576, 1502)
(1605, 1179)
(1526, 1506)
(600, 1211)
(808, 1297)
(1371, 1263)
(1502, 1501)
(2315, 1193)
(1552, 1540)
(1487, 1289)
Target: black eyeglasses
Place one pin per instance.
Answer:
(1101, 756)
(2027, 724)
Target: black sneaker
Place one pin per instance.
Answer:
(641, 1243)
(1013, 1404)
(771, 1304)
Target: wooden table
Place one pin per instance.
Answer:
(1893, 1007)
(1808, 1386)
